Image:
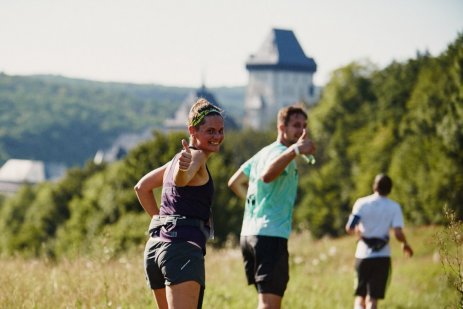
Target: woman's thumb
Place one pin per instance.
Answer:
(185, 146)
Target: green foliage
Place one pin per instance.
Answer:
(450, 245)
(405, 120)
(29, 220)
(12, 216)
(67, 120)
(335, 122)
(98, 203)
(54, 119)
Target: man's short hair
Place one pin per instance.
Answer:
(285, 113)
(382, 184)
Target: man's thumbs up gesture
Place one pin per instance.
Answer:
(305, 144)
(185, 157)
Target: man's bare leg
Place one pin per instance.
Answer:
(269, 301)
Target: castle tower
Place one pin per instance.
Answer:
(280, 74)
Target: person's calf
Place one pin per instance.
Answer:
(372, 303)
(269, 301)
(359, 302)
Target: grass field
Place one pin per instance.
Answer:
(322, 276)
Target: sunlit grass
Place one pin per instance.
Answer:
(321, 276)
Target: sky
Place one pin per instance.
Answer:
(187, 43)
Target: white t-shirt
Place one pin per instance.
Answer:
(378, 214)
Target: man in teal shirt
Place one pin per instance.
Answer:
(268, 181)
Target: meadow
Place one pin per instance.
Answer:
(322, 276)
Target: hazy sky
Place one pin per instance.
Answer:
(182, 42)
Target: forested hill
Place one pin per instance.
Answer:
(405, 120)
(53, 118)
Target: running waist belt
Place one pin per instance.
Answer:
(375, 243)
(169, 222)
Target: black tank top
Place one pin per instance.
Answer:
(190, 201)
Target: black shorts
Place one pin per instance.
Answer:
(266, 263)
(372, 276)
(168, 263)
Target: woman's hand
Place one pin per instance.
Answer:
(184, 160)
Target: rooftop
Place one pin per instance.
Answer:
(281, 51)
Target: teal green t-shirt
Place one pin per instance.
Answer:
(269, 206)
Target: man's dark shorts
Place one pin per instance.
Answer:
(266, 263)
(168, 263)
(372, 276)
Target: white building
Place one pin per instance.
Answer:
(121, 146)
(280, 74)
(16, 172)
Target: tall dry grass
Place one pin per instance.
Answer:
(322, 276)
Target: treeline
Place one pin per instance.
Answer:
(405, 120)
(96, 204)
(57, 119)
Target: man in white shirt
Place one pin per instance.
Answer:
(371, 219)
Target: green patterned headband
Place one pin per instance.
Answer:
(206, 111)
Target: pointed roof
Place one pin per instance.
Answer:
(180, 119)
(281, 51)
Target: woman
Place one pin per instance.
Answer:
(174, 254)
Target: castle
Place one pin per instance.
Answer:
(280, 74)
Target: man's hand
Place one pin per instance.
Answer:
(407, 250)
(305, 144)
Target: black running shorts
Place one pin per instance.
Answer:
(168, 263)
(372, 276)
(266, 263)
